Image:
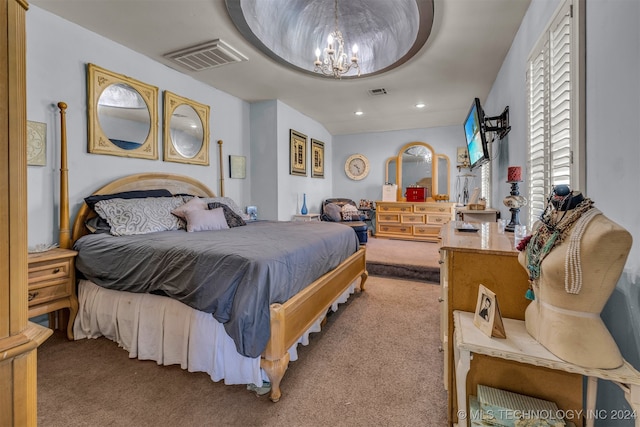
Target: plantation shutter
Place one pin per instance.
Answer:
(551, 111)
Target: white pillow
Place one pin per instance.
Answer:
(205, 220)
(140, 216)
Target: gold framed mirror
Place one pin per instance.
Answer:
(443, 169)
(122, 115)
(415, 166)
(185, 130)
(390, 170)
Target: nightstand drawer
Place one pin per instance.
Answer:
(52, 291)
(48, 270)
(395, 229)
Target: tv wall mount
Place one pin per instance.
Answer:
(498, 124)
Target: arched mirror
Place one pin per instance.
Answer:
(390, 170)
(123, 115)
(415, 167)
(186, 130)
(443, 169)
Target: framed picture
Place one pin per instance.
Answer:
(298, 153)
(36, 143)
(317, 159)
(462, 157)
(238, 167)
(487, 316)
(252, 211)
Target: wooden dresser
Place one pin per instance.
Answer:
(488, 257)
(52, 287)
(412, 220)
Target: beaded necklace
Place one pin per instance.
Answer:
(551, 232)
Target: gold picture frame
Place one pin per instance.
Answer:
(122, 115)
(297, 153)
(487, 316)
(36, 143)
(185, 129)
(237, 167)
(317, 158)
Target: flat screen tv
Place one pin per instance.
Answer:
(475, 135)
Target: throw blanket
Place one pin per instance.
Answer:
(235, 274)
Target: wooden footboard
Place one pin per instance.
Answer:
(293, 318)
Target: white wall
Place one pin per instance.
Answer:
(378, 146)
(56, 72)
(612, 148)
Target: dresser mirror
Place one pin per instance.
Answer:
(185, 130)
(123, 115)
(390, 170)
(443, 170)
(415, 167)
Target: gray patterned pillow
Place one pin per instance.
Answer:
(140, 216)
(229, 202)
(233, 219)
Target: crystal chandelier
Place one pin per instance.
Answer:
(335, 62)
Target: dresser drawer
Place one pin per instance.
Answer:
(49, 270)
(427, 230)
(434, 208)
(412, 219)
(438, 219)
(388, 217)
(52, 291)
(396, 207)
(395, 229)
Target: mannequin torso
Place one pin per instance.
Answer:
(569, 324)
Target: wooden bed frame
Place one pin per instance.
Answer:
(289, 320)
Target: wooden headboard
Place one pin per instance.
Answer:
(176, 184)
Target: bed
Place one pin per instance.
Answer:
(156, 325)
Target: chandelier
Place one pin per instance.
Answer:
(335, 61)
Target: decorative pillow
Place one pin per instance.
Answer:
(136, 194)
(203, 220)
(350, 213)
(333, 211)
(97, 225)
(140, 216)
(229, 202)
(195, 203)
(233, 219)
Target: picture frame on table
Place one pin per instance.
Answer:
(317, 158)
(487, 316)
(297, 153)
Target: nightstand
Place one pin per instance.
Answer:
(52, 287)
(307, 217)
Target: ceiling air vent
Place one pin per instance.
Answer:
(377, 92)
(206, 55)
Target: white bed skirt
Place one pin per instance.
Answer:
(154, 327)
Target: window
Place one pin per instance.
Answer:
(555, 108)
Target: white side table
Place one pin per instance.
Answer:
(307, 217)
(521, 347)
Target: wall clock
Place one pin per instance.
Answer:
(357, 167)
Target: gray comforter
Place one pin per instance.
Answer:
(235, 274)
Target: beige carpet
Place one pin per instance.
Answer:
(376, 362)
(403, 259)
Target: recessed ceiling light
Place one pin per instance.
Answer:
(421, 105)
(358, 113)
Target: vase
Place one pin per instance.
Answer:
(304, 210)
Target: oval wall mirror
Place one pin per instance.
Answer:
(186, 130)
(390, 170)
(123, 115)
